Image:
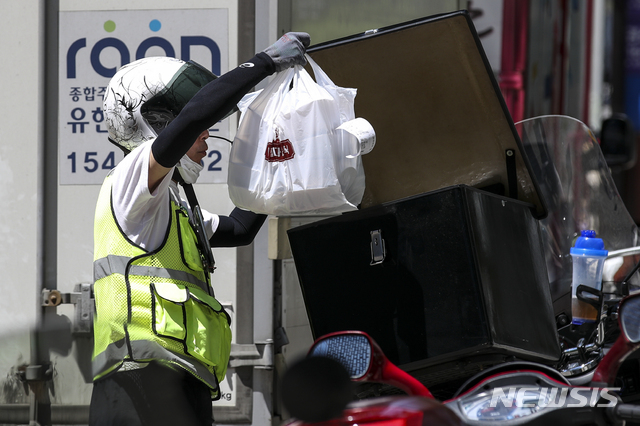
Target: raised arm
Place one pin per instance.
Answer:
(219, 97)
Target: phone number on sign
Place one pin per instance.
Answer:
(93, 162)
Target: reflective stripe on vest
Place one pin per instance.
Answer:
(155, 305)
(113, 264)
(145, 350)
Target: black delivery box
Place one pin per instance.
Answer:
(443, 264)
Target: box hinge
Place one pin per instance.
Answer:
(512, 177)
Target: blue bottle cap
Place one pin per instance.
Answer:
(588, 245)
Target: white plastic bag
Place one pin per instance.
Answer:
(347, 157)
(287, 157)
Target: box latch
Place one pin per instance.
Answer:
(378, 250)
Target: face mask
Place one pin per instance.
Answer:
(189, 170)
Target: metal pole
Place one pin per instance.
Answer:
(244, 262)
(39, 373)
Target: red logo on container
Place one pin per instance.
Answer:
(279, 150)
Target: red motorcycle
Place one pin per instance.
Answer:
(510, 394)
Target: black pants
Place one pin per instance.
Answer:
(153, 395)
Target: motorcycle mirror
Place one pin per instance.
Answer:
(365, 361)
(351, 349)
(618, 142)
(625, 344)
(629, 317)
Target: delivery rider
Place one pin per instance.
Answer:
(162, 340)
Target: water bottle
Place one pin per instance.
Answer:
(588, 255)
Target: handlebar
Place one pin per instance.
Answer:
(629, 412)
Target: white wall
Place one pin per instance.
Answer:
(21, 137)
(21, 134)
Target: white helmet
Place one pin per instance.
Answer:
(144, 96)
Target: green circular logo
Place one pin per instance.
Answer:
(109, 26)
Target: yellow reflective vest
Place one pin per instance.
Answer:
(155, 305)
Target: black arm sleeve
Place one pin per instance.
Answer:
(237, 229)
(207, 107)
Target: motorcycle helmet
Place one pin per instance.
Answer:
(145, 95)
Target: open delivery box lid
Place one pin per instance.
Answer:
(428, 90)
(443, 263)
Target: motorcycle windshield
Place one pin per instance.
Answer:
(580, 194)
